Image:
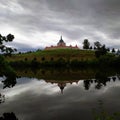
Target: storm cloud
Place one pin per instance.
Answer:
(40, 23)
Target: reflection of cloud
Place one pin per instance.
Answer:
(32, 99)
(39, 23)
(32, 86)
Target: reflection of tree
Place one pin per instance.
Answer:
(2, 98)
(101, 80)
(8, 72)
(114, 79)
(9, 82)
(8, 116)
(86, 84)
(118, 76)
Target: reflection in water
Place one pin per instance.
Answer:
(9, 78)
(8, 73)
(98, 83)
(44, 97)
(87, 84)
(65, 74)
(61, 86)
(77, 100)
(2, 98)
(8, 116)
(9, 82)
(100, 113)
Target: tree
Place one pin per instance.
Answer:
(118, 52)
(94, 48)
(113, 50)
(103, 50)
(100, 51)
(97, 44)
(108, 49)
(86, 44)
(3, 47)
(91, 47)
(5, 69)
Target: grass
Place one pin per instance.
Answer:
(66, 54)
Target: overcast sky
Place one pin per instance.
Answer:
(39, 23)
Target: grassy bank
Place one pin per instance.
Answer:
(48, 55)
(63, 58)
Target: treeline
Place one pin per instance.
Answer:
(99, 48)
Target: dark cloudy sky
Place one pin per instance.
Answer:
(40, 23)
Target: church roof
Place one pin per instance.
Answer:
(61, 40)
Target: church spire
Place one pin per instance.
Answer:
(62, 86)
(61, 37)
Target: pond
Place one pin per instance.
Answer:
(48, 99)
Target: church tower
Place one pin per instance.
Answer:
(62, 86)
(61, 42)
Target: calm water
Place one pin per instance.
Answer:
(38, 99)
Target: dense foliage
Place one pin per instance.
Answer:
(8, 74)
(3, 48)
(86, 44)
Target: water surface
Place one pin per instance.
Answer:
(38, 99)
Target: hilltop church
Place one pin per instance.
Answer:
(61, 45)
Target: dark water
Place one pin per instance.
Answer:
(38, 99)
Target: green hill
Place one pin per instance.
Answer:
(48, 55)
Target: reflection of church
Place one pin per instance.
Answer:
(61, 45)
(62, 84)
